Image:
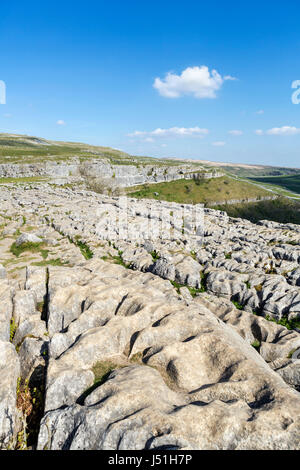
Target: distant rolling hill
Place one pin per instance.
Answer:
(290, 183)
(16, 148)
(26, 149)
(248, 170)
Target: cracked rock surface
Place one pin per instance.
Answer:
(146, 343)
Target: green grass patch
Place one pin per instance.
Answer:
(195, 192)
(193, 290)
(177, 286)
(256, 344)
(101, 370)
(290, 354)
(84, 248)
(137, 358)
(44, 254)
(13, 329)
(28, 246)
(155, 255)
(119, 260)
(40, 306)
(237, 305)
(289, 324)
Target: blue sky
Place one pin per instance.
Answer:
(85, 71)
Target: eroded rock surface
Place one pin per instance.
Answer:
(197, 383)
(121, 357)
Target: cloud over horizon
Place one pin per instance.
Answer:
(195, 81)
(171, 132)
(282, 131)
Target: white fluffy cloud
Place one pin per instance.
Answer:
(284, 131)
(60, 122)
(196, 81)
(235, 132)
(171, 132)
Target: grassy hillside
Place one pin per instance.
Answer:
(290, 183)
(26, 149)
(279, 210)
(203, 191)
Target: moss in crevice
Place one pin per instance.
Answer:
(84, 248)
(101, 370)
(13, 329)
(289, 324)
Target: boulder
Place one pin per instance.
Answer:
(28, 238)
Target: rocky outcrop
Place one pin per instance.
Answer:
(242, 201)
(28, 238)
(123, 174)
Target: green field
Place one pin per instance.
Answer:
(203, 191)
(290, 183)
